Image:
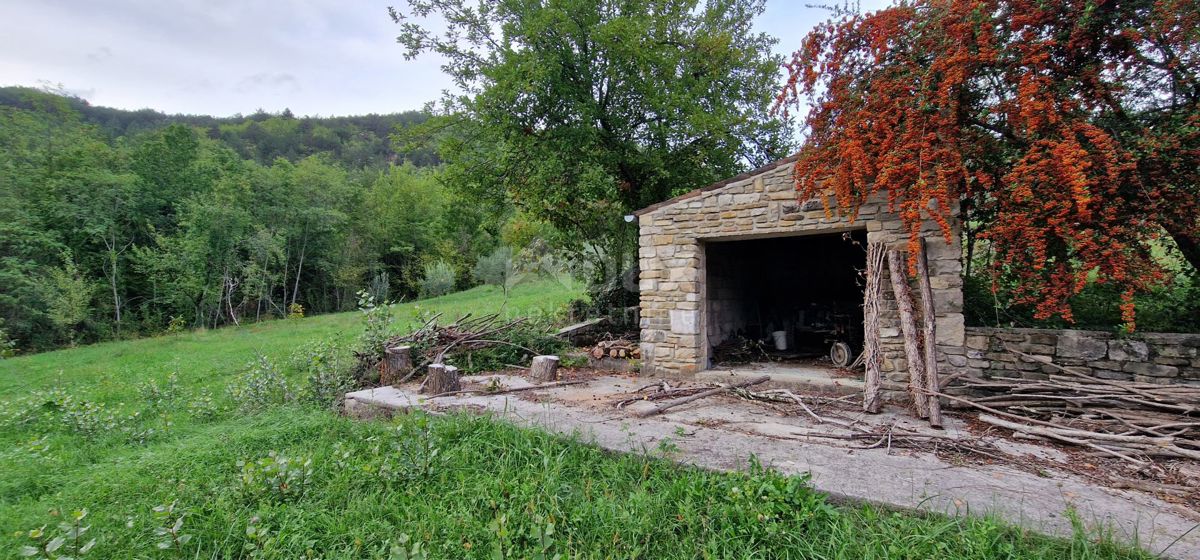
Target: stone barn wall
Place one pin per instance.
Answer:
(762, 203)
(1163, 358)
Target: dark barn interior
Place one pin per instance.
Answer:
(805, 289)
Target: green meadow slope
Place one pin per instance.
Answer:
(83, 429)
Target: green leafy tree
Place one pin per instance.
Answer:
(581, 111)
(68, 296)
(496, 269)
(400, 221)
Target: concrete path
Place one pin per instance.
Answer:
(722, 433)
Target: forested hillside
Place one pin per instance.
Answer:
(353, 141)
(117, 223)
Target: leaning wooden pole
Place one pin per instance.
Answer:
(873, 378)
(908, 326)
(929, 329)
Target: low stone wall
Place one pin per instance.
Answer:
(1162, 358)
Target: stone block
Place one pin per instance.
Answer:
(1112, 374)
(951, 330)
(956, 361)
(1030, 348)
(1128, 350)
(1150, 370)
(1043, 338)
(649, 335)
(1175, 351)
(977, 342)
(685, 321)
(1172, 361)
(1082, 346)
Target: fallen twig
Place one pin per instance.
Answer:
(664, 407)
(551, 385)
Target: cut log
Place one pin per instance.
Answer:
(667, 406)
(544, 368)
(908, 326)
(397, 364)
(873, 378)
(441, 379)
(929, 330)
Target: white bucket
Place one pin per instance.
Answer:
(780, 340)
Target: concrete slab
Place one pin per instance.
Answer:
(722, 433)
(787, 376)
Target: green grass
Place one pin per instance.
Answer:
(462, 487)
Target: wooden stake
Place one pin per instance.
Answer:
(929, 328)
(544, 368)
(873, 378)
(908, 326)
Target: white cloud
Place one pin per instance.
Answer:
(223, 57)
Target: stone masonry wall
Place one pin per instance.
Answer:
(1163, 358)
(763, 204)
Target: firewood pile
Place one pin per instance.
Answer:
(740, 350)
(1135, 422)
(619, 348)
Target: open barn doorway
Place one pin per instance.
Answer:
(785, 301)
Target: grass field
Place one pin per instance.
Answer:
(80, 429)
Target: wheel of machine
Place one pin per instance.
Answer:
(840, 354)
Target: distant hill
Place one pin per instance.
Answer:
(356, 142)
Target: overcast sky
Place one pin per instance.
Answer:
(221, 57)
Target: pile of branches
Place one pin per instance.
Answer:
(1135, 422)
(740, 350)
(432, 343)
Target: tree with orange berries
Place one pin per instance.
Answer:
(1067, 132)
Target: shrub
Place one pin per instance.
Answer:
(328, 377)
(160, 397)
(169, 535)
(377, 326)
(276, 477)
(176, 325)
(68, 543)
(88, 418)
(438, 279)
(262, 386)
(8, 346)
(295, 311)
(203, 406)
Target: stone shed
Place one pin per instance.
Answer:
(744, 259)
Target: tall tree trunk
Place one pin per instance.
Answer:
(300, 266)
(873, 377)
(908, 326)
(929, 329)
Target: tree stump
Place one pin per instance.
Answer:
(397, 363)
(544, 368)
(441, 379)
